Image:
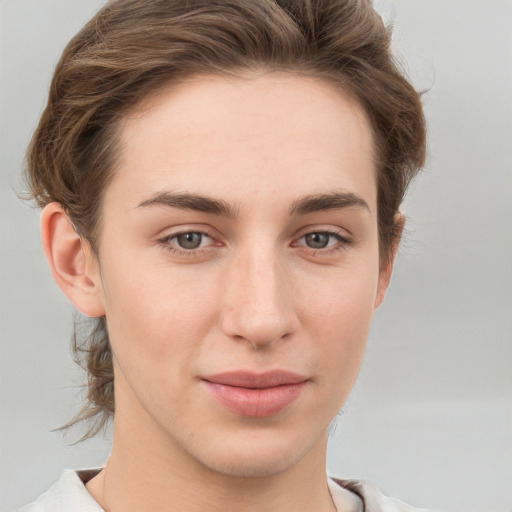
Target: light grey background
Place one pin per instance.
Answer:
(430, 419)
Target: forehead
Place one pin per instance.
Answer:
(267, 133)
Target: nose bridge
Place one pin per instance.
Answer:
(259, 305)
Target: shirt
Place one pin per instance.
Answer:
(69, 494)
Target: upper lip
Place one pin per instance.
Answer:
(246, 379)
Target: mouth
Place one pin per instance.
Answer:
(256, 395)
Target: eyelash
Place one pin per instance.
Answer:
(342, 243)
(166, 240)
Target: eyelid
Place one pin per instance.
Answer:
(345, 240)
(332, 234)
(181, 229)
(323, 228)
(171, 233)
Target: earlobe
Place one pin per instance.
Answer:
(72, 262)
(387, 270)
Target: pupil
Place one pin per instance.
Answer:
(317, 240)
(189, 240)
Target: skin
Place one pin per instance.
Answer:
(259, 293)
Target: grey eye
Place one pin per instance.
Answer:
(317, 240)
(189, 240)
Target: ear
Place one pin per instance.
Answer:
(387, 270)
(72, 261)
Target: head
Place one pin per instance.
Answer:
(135, 63)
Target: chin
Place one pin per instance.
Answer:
(243, 466)
(258, 457)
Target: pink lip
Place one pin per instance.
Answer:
(256, 395)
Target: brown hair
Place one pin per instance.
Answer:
(131, 48)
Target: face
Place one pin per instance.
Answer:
(239, 268)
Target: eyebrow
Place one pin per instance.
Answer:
(333, 201)
(189, 202)
(303, 206)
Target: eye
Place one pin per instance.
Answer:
(323, 240)
(188, 241)
(319, 240)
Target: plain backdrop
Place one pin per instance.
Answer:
(430, 418)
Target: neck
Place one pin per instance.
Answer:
(148, 472)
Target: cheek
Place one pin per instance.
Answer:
(155, 312)
(339, 319)
(343, 299)
(157, 321)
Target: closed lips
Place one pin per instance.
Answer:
(246, 379)
(256, 395)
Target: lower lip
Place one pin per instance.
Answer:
(256, 403)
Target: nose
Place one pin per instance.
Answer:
(259, 300)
